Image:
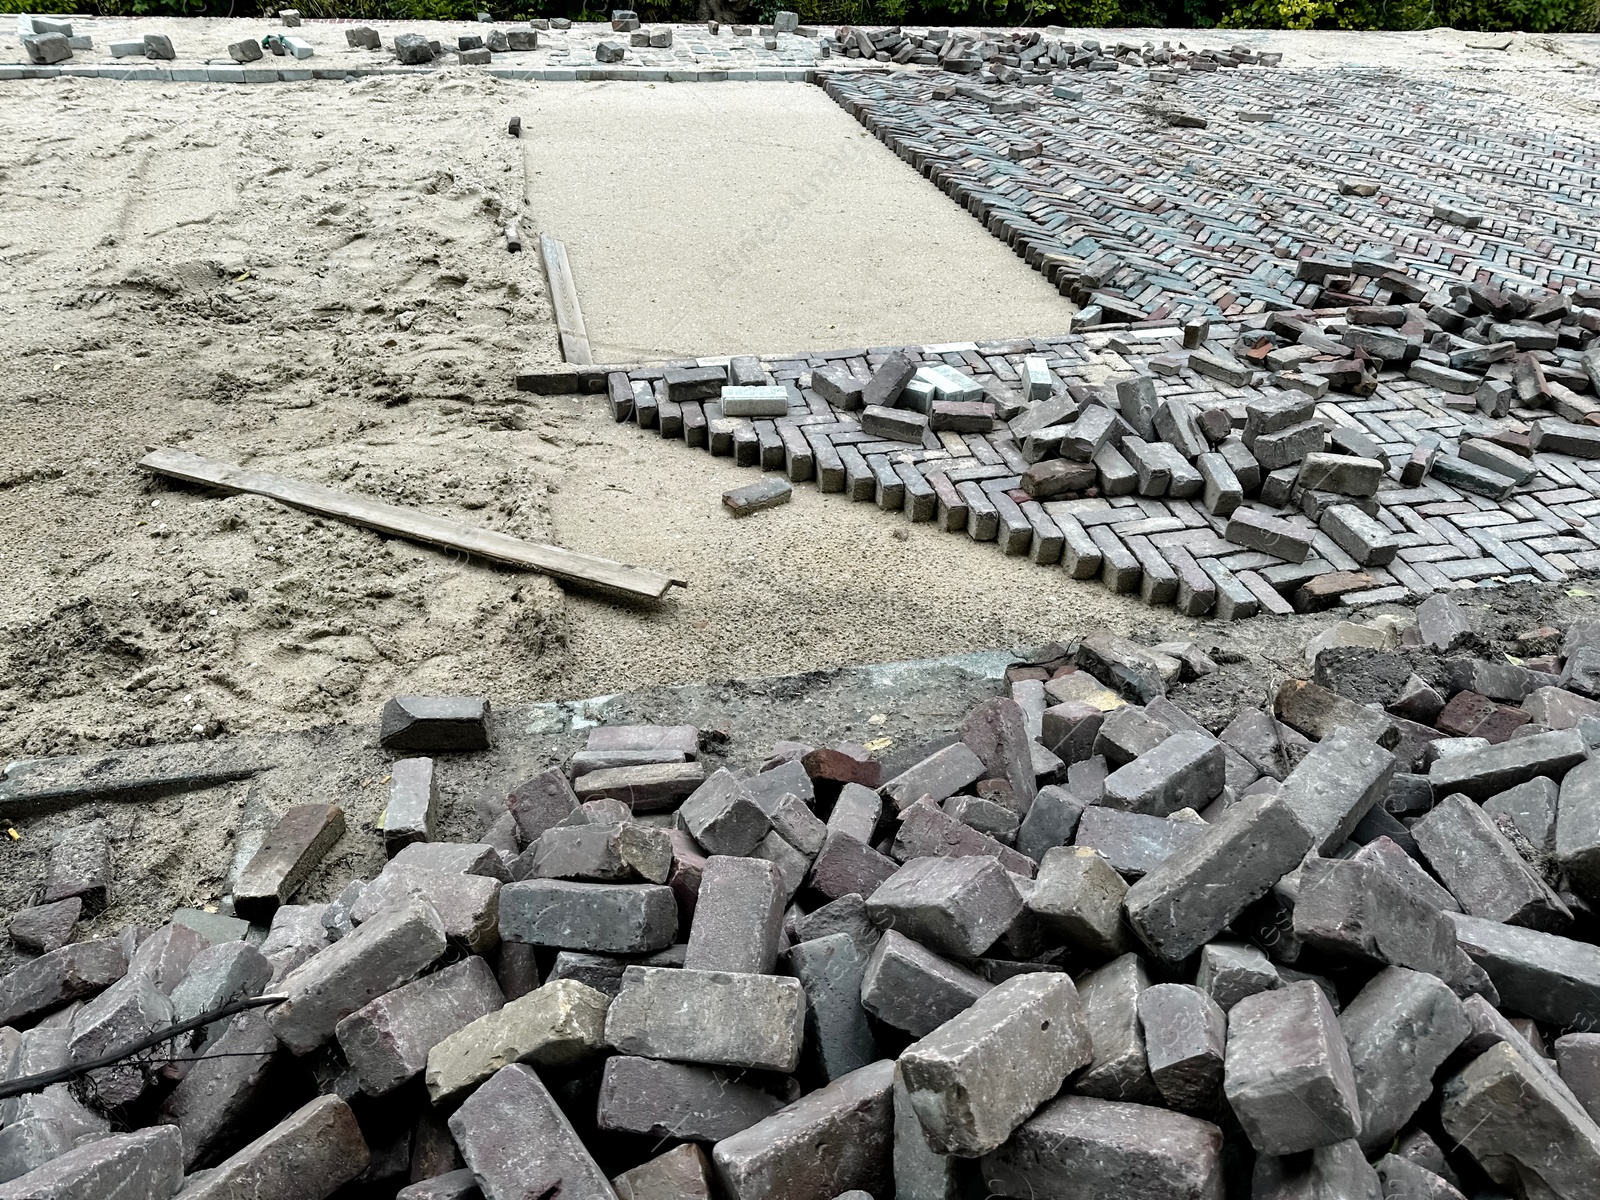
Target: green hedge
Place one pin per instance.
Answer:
(1534, 16)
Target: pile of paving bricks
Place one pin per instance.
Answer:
(1080, 947)
(1290, 462)
(1027, 55)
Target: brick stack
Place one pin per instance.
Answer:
(1079, 946)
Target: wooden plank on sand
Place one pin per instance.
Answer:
(564, 298)
(599, 573)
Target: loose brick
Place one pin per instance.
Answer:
(1110, 999)
(558, 1025)
(832, 1140)
(738, 917)
(1400, 1030)
(911, 988)
(387, 1042)
(1204, 886)
(1483, 870)
(1078, 896)
(710, 1017)
(979, 1076)
(435, 723)
(1288, 1074)
(1185, 1036)
(676, 1100)
(379, 956)
(293, 848)
(1185, 770)
(1079, 1148)
(955, 906)
(312, 1152)
(622, 918)
(518, 1142)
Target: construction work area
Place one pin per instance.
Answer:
(764, 612)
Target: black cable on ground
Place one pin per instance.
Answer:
(34, 1083)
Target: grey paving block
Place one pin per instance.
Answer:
(1084, 1148)
(459, 1184)
(518, 1142)
(1358, 910)
(59, 978)
(846, 865)
(738, 917)
(435, 724)
(541, 803)
(1483, 870)
(469, 905)
(832, 969)
(1069, 730)
(1401, 1177)
(222, 1092)
(920, 1171)
(1230, 971)
(1051, 821)
(45, 927)
(711, 1017)
(312, 1152)
(938, 776)
(606, 918)
(1110, 999)
(1577, 825)
(996, 732)
(760, 495)
(1386, 854)
(929, 832)
(1506, 1115)
(1337, 1170)
(678, 1100)
(1335, 785)
(1400, 1029)
(723, 817)
(1578, 1059)
(412, 814)
(832, 1140)
(1126, 734)
(1493, 769)
(1185, 1036)
(979, 1076)
(379, 956)
(1133, 843)
(848, 914)
(387, 1042)
(293, 848)
(219, 975)
(1202, 887)
(296, 933)
(80, 865)
(1078, 897)
(909, 987)
(1288, 1075)
(1541, 975)
(683, 1171)
(646, 787)
(955, 906)
(1184, 771)
(147, 1163)
(555, 1026)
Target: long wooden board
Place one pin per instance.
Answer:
(564, 298)
(588, 570)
